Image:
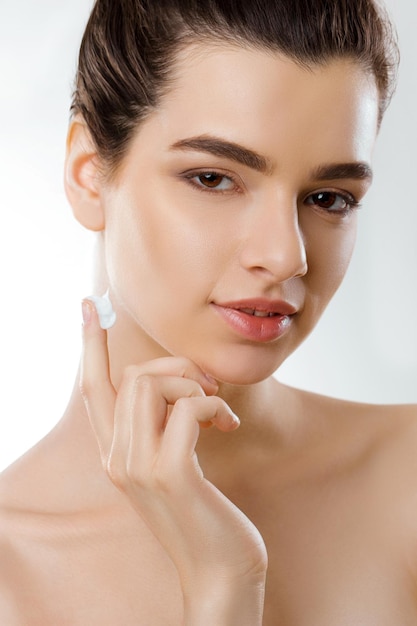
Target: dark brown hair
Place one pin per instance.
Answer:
(130, 46)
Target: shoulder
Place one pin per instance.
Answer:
(312, 404)
(22, 555)
(374, 431)
(378, 417)
(382, 440)
(400, 437)
(12, 583)
(391, 430)
(389, 433)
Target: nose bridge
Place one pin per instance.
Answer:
(274, 240)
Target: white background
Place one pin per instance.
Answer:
(365, 346)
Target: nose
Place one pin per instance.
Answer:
(274, 244)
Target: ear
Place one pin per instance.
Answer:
(82, 177)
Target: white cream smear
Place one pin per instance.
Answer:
(104, 310)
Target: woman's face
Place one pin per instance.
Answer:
(232, 219)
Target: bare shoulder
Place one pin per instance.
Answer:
(392, 429)
(393, 424)
(389, 435)
(399, 436)
(396, 435)
(22, 531)
(377, 444)
(404, 412)
(12, 583)
(371, 431)
(377, 416)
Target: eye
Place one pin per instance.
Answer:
(333, 202)
(210, 180)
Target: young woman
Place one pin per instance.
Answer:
(220, 150)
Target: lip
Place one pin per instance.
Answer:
(240, 316)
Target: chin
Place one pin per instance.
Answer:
(241, 372)
(243, 379)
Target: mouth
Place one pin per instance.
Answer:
(258, 320)
(260, 307)
(258, 313)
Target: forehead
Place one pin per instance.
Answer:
(265, 100)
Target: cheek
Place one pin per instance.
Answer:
(157, 250)
(329, 250)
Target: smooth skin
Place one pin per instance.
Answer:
(185, 485)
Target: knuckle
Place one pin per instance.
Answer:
(186, 368)
(184, 405)
(185, 365)
(145, 382)
(130, 373)
(218, 405)
(133, 378)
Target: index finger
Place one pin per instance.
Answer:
(96, 387)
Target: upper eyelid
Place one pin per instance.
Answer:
(339, 192)
(352, 187)
(194, 173)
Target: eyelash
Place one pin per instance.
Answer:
(191, 176)
(348, 199)
(351, 204)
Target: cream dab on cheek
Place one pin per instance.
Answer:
(104, 310)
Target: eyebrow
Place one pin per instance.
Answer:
(356, 171)
(230, 150)
(226, 149)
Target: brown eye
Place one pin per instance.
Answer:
(332, 202)
(329, 200)
(210, 180)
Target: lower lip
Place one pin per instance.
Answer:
(260, 329)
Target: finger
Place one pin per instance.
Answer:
(182, 429)
(179, 366)
(141, 415)
(95, 383)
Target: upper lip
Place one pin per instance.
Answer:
(279, 307)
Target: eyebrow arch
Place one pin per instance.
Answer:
(226, 149)
(338, 171)
(230, 150)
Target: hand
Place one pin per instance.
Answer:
(147, 432)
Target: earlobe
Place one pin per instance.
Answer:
(82, 180)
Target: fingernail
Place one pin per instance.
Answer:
(86, 311)
(236, 420)
(211, 380)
